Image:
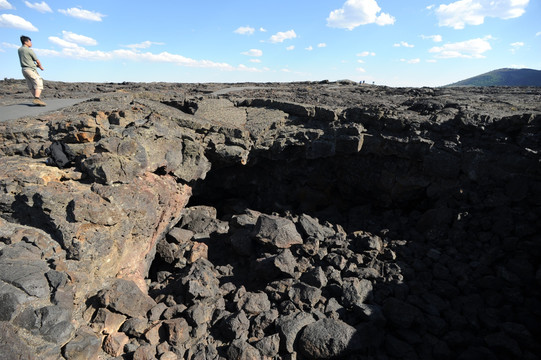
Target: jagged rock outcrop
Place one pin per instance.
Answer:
(308, 220)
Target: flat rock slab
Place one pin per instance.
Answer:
(26, 108)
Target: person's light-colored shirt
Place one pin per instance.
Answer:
(27, 57)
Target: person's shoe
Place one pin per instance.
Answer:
(38, 102)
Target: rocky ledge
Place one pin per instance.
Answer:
(271, 221)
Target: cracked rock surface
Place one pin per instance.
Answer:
(326, 220)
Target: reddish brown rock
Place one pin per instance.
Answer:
(114, 343)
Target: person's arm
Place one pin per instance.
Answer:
(36, 60)
(38, 63)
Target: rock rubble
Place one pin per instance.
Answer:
(277, 221)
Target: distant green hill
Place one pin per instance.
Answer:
(504, 77)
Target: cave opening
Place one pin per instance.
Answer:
(351, 191)
(458, 236)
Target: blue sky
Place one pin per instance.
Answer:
(388, 42)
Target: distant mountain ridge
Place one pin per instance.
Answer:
(504, 77)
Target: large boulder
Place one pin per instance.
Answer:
(327, 339)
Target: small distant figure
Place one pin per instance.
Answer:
(29, 64)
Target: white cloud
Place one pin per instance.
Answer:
(358, 12)
(404, 44)
(143, 45)
(80, 53)
(435, 38)
(245, 30)
(366, 53)
(255, 61)
(472, 49)
(47, 52)
(262, 29)
(431, 61)
(516, 45)
(16, 22)
(460, 13)
(5, 5)
(309, 48)
(321, 45)
(42, 7)
(245, 68)
(82, 14)
(62, 43)
(289, 48)
(411, 61)
(253, 52)
(10, 46)
(360, 61)
(360, 69)
(538, 33)
(282, 36)
(72, 40)
(78, 39)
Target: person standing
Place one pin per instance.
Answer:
(29, 65)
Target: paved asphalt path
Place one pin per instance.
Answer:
(26, 108)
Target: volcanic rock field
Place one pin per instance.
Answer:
(310, 220)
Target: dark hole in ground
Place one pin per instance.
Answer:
(469, 250)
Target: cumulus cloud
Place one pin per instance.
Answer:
(10, 45)
(321, 45)
(360, 69)
(289, 48)
(73, 51)
(403, 44)
(435, 38)
(262, 29)
(78, 39)
(253, 52)
(358, 12)
(5, 5)
(16, 22)
(280, 37)
(460, 13)
(255, 61)
(82, 14)
(143, 45)
(516, 45)
(538, 33)
(72, 40)
(62, 43)
(245, 30)
(245, 68)
(469, 49)
(366, 53)
(42, 7)
(309, 48)
(81, 53)
(411, 61)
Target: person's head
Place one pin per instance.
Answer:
(24, 39)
